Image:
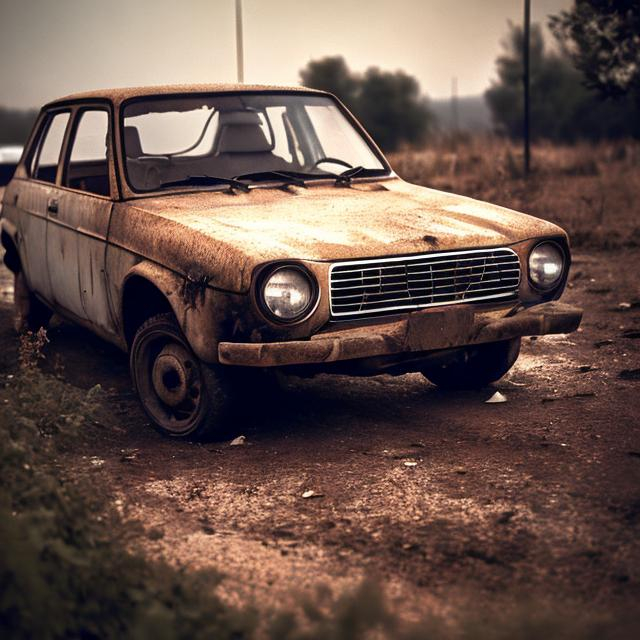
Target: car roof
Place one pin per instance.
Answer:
(118, 95)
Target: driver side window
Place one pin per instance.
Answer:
(88, 168)
(44, 164)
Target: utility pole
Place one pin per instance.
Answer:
(239, 43)
(454, 105)
(526, 81)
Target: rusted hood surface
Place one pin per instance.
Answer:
(325, 223)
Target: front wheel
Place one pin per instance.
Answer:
(482, 364)
(183, 396)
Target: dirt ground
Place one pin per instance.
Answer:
(441, 497)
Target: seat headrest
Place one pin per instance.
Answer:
(240, 132)
(132, 144)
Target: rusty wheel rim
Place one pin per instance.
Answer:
(169, 381)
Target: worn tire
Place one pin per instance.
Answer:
(29, 314)
(183, 397)
(483, 364)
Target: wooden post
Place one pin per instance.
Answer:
(526, 82)
(239, 43)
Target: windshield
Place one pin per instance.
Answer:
(213, 139)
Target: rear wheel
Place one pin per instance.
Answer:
(183, 396)
(29, 314)
(481, 365)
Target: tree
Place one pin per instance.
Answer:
(392, 109)
(389, 105)
(562, 108)
(331, 74)
(602, 38)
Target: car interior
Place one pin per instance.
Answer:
(91, 176)
(240, 146)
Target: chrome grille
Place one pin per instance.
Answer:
(374, 287)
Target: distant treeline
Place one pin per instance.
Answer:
(563, 107)
(586, 86)
(15, 125)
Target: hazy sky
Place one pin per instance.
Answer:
(49, 48)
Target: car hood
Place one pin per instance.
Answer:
(327, 223)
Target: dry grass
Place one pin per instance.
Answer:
(590, 190)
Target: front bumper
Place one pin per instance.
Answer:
(421, 331)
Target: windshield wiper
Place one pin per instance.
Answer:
(344, 179)
(205, 180)
(287, 176)
(346, 176)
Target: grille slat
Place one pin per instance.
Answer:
(495, 264)
(376, 287)
(339, 290)
(394, 291)
(398, 265)
(417, 297)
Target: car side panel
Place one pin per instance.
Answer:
(63, 255)
(118, 264)
(91, 215)
(30, 210)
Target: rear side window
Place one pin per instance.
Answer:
(88, 169)
(45, 161)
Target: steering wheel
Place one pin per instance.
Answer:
(332, 161)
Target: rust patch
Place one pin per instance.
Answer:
(193, 290)
(419, 332)
(119, 95)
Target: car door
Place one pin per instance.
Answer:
(32, 199)
(77, 234)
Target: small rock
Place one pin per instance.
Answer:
(585, 368)
(631, 334)
(239, 441)
(310, 493)
(602, 343)
(496, 398)
(208, 529)
(625, 306)
(410, 463)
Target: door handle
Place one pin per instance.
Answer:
(52, 207)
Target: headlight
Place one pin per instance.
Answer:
(546, 265)
(288, 293)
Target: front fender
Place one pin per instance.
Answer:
(205, 315)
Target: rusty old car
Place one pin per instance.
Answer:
(218, 231)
